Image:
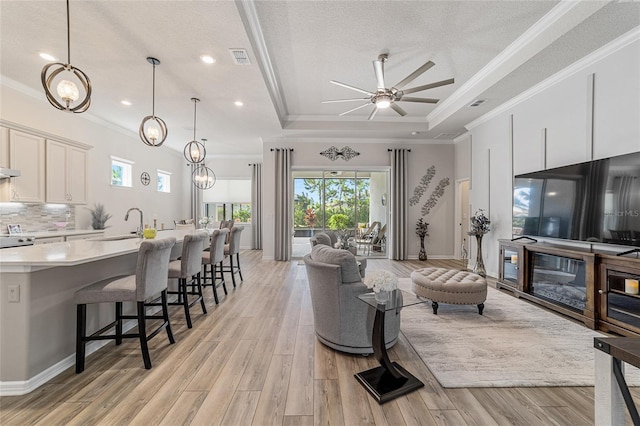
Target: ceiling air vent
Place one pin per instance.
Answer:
(240, 56)
(477, 102)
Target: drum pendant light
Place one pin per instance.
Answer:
(203, 177)
(153, 130)
(66, 90)
(194, 151)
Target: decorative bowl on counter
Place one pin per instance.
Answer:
(60, 225)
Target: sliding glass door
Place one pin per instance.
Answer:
(341, 201)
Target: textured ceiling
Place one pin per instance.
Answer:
(296, 47)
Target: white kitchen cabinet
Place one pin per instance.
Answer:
(66, 172)
(4, 147)
(27, 154)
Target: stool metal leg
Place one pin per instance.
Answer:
(81, 325)
(182, 288)
(238, 262)
(199, 285)
(213, 281)
(233, 275)
(224, 283)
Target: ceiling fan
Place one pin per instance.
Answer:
(384, 97)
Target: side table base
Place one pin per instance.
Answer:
(384, 387)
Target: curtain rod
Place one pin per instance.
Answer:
(389, 150)
(278, 149)
(253, 164)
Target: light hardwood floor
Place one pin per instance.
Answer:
(254, 360)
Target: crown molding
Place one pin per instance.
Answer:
(589, 60)
(563, 17)
(249, 17)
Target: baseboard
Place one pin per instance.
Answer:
(23, 387)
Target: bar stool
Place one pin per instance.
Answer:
(149, 280)
(231, 249)
(188, 268)
(213, 258)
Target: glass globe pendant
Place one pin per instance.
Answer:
(67, 91)
(194, 151)
(153, 130)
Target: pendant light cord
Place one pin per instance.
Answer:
(68, 36)
(195, 104)
(153, 93)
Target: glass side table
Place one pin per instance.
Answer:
(390, 380)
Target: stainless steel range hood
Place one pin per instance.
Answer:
(8, 173)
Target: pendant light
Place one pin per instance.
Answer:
(153, 130)
(203, 176)
(66, 90)
(194, 151)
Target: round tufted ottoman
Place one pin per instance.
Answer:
(449, 286)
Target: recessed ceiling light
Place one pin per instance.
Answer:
(47, 56)
(125, 102)
(238, 103)
(207, 59)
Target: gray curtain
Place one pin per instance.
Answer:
(399, 247)
(256, 205)
(283, 210)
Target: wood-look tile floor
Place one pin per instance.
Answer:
(254, 360)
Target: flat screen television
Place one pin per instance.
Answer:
(596, 201)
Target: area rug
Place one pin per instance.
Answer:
(513, 344)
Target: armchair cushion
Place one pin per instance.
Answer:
(322, 238)
(349, 269)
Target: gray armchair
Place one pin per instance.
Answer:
(329, 238)
(341, 320)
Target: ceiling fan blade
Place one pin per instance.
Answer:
(344, 100)
(422, 100)
(347, 86)
(356, 108)
(373, 113)
(378, 68)
(408, 79)
(428, 86)
(399, 110)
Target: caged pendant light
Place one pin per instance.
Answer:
(153, 130)
(203, 176)
(66, 90)
(194, 151)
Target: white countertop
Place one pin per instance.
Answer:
(63, 233)
(70, 253)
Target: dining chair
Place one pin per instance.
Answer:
(149, 280)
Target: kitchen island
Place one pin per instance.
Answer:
(37, 313)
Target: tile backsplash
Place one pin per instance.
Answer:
(36, 217)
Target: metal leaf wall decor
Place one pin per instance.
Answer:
(334, 153)
(419, 191)
(433, 199)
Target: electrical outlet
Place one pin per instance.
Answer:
(14, 293)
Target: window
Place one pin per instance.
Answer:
(121, 172)
(238, 212)
(164, 181)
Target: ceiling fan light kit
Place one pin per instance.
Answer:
(385, 97)
(153, 130)
(67, 91)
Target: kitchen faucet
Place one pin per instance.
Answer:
(126, 217)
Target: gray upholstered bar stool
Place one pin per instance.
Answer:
(214, 258)
(149, 280)
(233, 249)
(187, 268)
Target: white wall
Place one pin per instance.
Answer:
(107, 140)
(373, 157)
(562, 106)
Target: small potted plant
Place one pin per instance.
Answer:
(99, 217)
(422, 230)
(382, 283)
